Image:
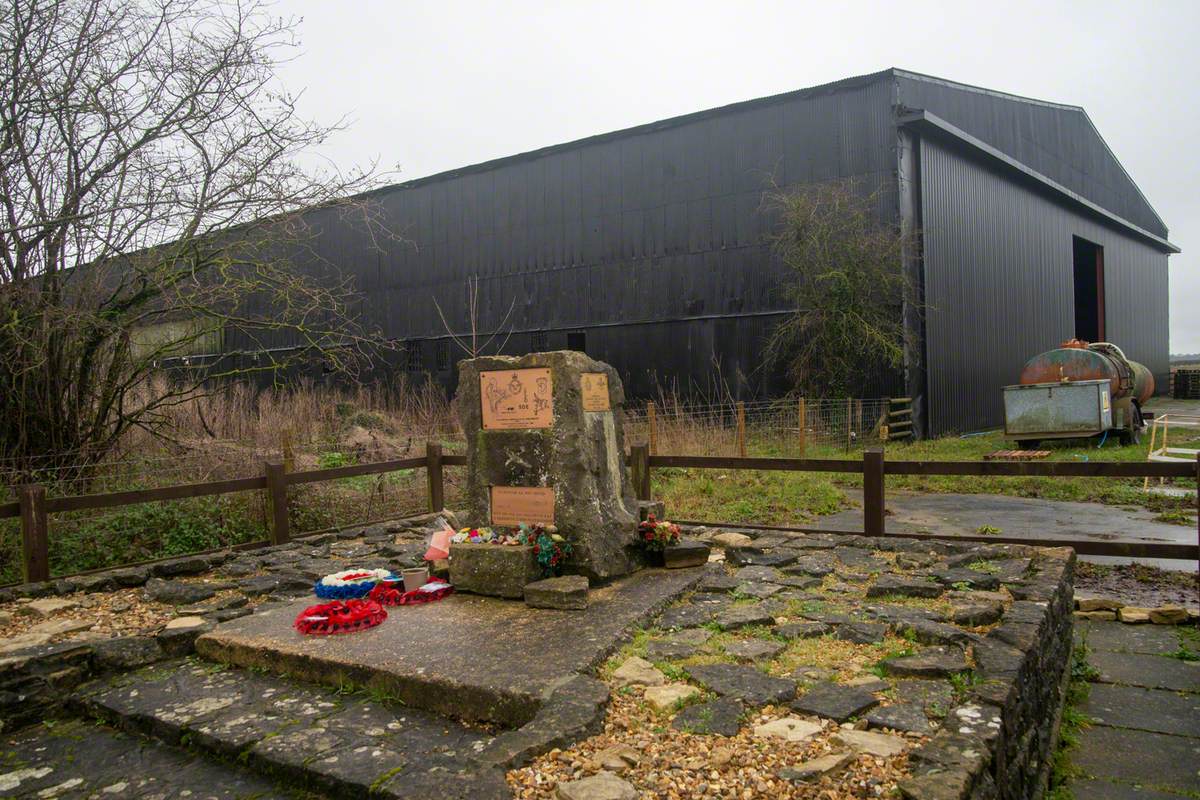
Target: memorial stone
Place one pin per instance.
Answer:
(536, 454)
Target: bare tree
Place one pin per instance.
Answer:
(847, 286)
(150, 182)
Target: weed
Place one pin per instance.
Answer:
(1184, 654)
(988, 530)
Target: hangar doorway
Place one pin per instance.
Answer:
(1089, 290)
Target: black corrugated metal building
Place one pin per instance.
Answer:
(648, 246)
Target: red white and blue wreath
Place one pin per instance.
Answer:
(351, 583)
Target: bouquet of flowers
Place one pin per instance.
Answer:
(657, 536)
(550, 549)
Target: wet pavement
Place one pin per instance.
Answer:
(1142, 743)
(1023, 518)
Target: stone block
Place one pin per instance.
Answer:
(570, 592)
(648, 507)
(179, 636)
(1168, 615)
(731, 539)
(687, 553)
(1133, 615)
(492, 569)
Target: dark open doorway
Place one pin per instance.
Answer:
(1089, 290)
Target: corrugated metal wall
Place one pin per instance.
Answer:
(999, 286)
(1058, 142)
(653, 241)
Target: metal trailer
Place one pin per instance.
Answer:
(1065, 410)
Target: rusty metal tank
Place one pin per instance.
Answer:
(1081, 361)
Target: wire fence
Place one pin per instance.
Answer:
(770, 427)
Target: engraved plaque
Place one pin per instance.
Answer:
(517, 398)
(512, 505)
(594, 388)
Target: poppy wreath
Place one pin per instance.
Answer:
(340, 616)
(350, 584)
(386, 593)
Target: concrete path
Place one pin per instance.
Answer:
(1022, 518)
(1144, 739)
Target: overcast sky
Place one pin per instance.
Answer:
(431, 86)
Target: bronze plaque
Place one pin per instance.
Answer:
(512, 505)
(517, 398)
(594, 387)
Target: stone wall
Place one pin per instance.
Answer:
(999, 746)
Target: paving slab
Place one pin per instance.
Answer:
(1109, 790)
(1151, 672)
(83, 759)
(1144, 709)
(311, 736)
(1157, 759)
(465, 656)
(1117, 637)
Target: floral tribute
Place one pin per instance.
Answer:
(340, 616)
(391, 593)
(657, 536)
(351, 583)
(549, 548)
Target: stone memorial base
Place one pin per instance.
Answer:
(687, 553)
(468, 657)
(493, 569)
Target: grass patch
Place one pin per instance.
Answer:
(794, 498)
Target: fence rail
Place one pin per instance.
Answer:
(34, 507)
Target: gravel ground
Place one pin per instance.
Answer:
(673, 764)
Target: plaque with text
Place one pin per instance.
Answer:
(512, 505)
(594, 388)
(517, 398)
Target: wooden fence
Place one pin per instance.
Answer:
(34, 507)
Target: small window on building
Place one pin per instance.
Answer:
(577, 340)
(413, 356)
(443, 355)
(537, 342)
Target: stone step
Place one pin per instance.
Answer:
(78, 759)
(340, 743)
(480, 659)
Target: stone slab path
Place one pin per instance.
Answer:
(77, 759)
(1144, 740)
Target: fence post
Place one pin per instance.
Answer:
(803, 427)
(433, 473)
(35, 544)
(651, 421)
(741, 428)
(1198, 523)
(639, 470)
(278, 495)
(289, 453)
(873, 508)
(849, 426)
